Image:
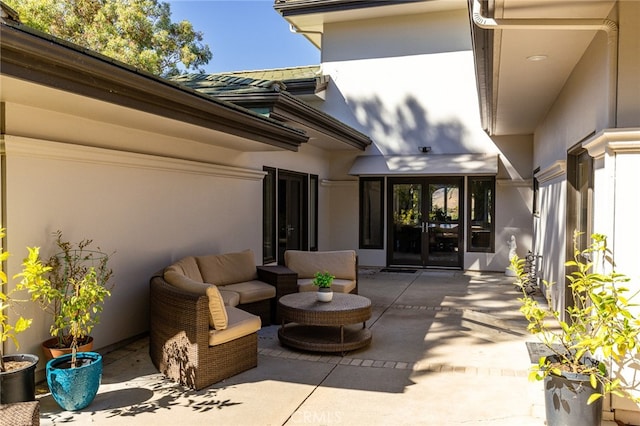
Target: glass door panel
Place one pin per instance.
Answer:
(292, 213)
(406, 215)
(425, 222)
(444, 224)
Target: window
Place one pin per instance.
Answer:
(480, 232)
(313, 212)
(371, 213)
(536, 193)
(579, 198)
(269, 246)
(289, 213)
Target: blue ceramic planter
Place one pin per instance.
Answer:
(75, 388)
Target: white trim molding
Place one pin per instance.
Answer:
(558, 168)
(613, 140)
(32, 148)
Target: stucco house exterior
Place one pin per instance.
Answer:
(156, 170)
(435, 190)
(431, 133)
(148, 168)
(556, 94)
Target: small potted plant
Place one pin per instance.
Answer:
(324, 280)
(17, 378)
(74, 295)
(599, 328)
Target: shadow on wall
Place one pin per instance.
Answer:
(407, 127)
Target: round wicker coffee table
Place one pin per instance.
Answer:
(311, 325)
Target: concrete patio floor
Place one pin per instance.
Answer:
(448, 349)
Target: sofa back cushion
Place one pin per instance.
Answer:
(217, 312)
(187, 267)
(341, 263)
(178, 279)
(229, 268)
(218, 318)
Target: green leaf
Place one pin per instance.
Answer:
(22, 324)
(593, 398)
(139, 33)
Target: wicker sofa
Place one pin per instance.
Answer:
(343, 264)
(204, 316)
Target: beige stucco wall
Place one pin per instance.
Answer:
(148, 197)
(409, 82)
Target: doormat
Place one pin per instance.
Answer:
(399, 270)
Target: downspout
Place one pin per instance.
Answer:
(606, 25)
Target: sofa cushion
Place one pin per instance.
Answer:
(307, 263)
(240, 324)
(252, 291)
(230, 268)
(231, 298)
(338, 285)
(189, 267)
(175, 277)
(306, 284)
(217, 312)
(343, 286)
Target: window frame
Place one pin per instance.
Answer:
(313, 212)
(269, 215)
(378, 245)
(491, 213)
(535, 206)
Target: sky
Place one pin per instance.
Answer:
(245, 34)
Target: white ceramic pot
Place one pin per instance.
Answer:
(325, 295)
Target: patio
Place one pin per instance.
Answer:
(448, 348)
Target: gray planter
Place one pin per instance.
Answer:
(566, 401)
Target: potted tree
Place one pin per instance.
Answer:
(324, 280)
(74, 295)
(599, 328)
(17, 378)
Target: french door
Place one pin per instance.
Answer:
(425, 216)
(292, 212)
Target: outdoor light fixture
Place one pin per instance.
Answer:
(424, 149)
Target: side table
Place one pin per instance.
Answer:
(284, 280)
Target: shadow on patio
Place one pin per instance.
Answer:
(448, 347)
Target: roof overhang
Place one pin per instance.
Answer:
(525, 50)
(308, 17)
(425, 165)
(324, 130)
(33, 59)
